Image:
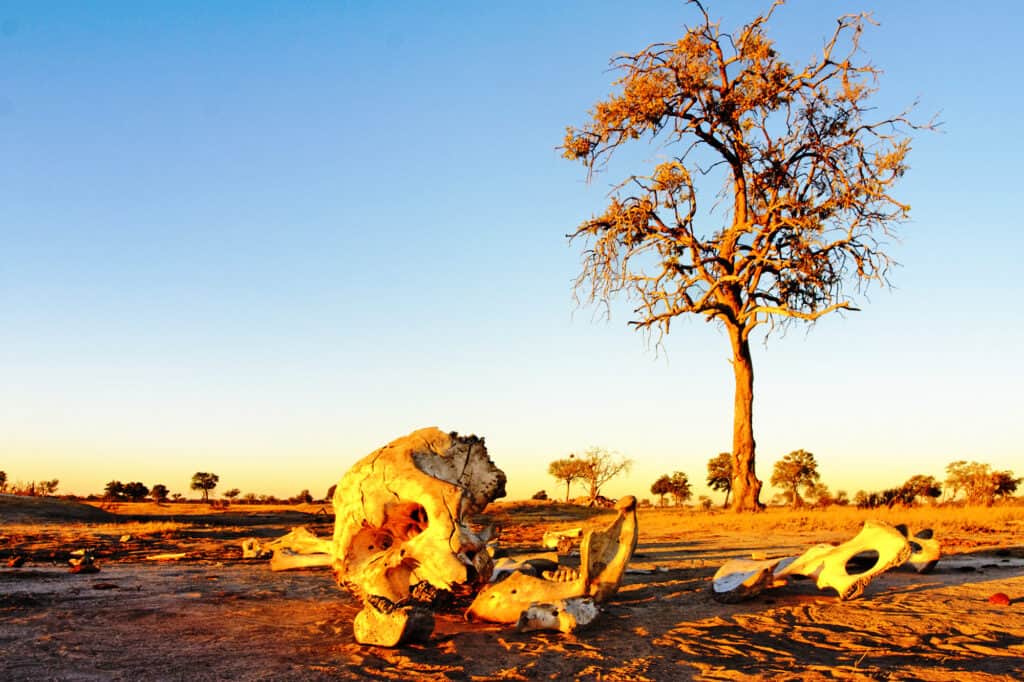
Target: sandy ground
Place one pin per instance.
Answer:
(216, 616)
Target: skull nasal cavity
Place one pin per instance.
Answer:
(861, 562)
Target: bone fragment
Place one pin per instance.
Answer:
(170, 556)
(926, 550)
(382, 623)
(286, 560)
(564, 615)
(553, 538)
(743, 578)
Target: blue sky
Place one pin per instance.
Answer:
(264, 239)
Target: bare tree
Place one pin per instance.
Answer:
(598, 466)
(805, 212)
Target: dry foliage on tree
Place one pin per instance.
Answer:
(806, 203)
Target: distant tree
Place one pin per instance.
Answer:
(114, 491)
(680, 488)
(1004, 484)
(135, 491)
(540, 495)
(805, 173)
(978, 482)
(205, 482)
(569, 469)
(3, 481)
(598, 466)
(159, 493)
(705, 502)
(249, 498)
(232, 494)
(822, 495)
(920, 486)
(302, 498)
(661, 488)
(177, 497)
(842, 498)
(796, 470)
(720, 474)
(49, 487)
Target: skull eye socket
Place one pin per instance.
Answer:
(406, 520)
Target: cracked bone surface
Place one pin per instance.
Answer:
(382, 623)
(743, 578)
(564, 615)
(603, 558)
(401, 515)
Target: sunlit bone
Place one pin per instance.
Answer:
(603, 558)
(382, 623)
(565, 615)
(555, 538)
(401, 515)
(300, 548)
(926, 550)
(743, 578)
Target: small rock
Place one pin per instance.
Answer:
(999, 598)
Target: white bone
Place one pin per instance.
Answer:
(743, 578)
(286, 560)
(564, 615)
(926, 550)
(552, 538)
(382, 623)
(603, 558)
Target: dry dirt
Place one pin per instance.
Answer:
(215, 616)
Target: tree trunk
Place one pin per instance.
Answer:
(746, 488)
(726, 503)
(568, 482)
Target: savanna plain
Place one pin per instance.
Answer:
(174, 599)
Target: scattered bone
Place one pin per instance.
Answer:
(400, 515)
(171, 556)
(556, 539)
(565, 615)
(83, 561)
(285, 559)
(925, 548)
(16, 561)
(743, 578)
(383, 623)
(535, 564)
(254, 549)
(603, 558)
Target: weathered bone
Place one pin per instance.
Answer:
(743, 578)
(603, 558)
(565, 615)
(400, 515)
(300, 548)
(926, 550)
(555, 538)
(383, 623)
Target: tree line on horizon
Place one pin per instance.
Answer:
(797, 475)
(136, 491)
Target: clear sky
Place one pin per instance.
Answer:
(263, 239)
